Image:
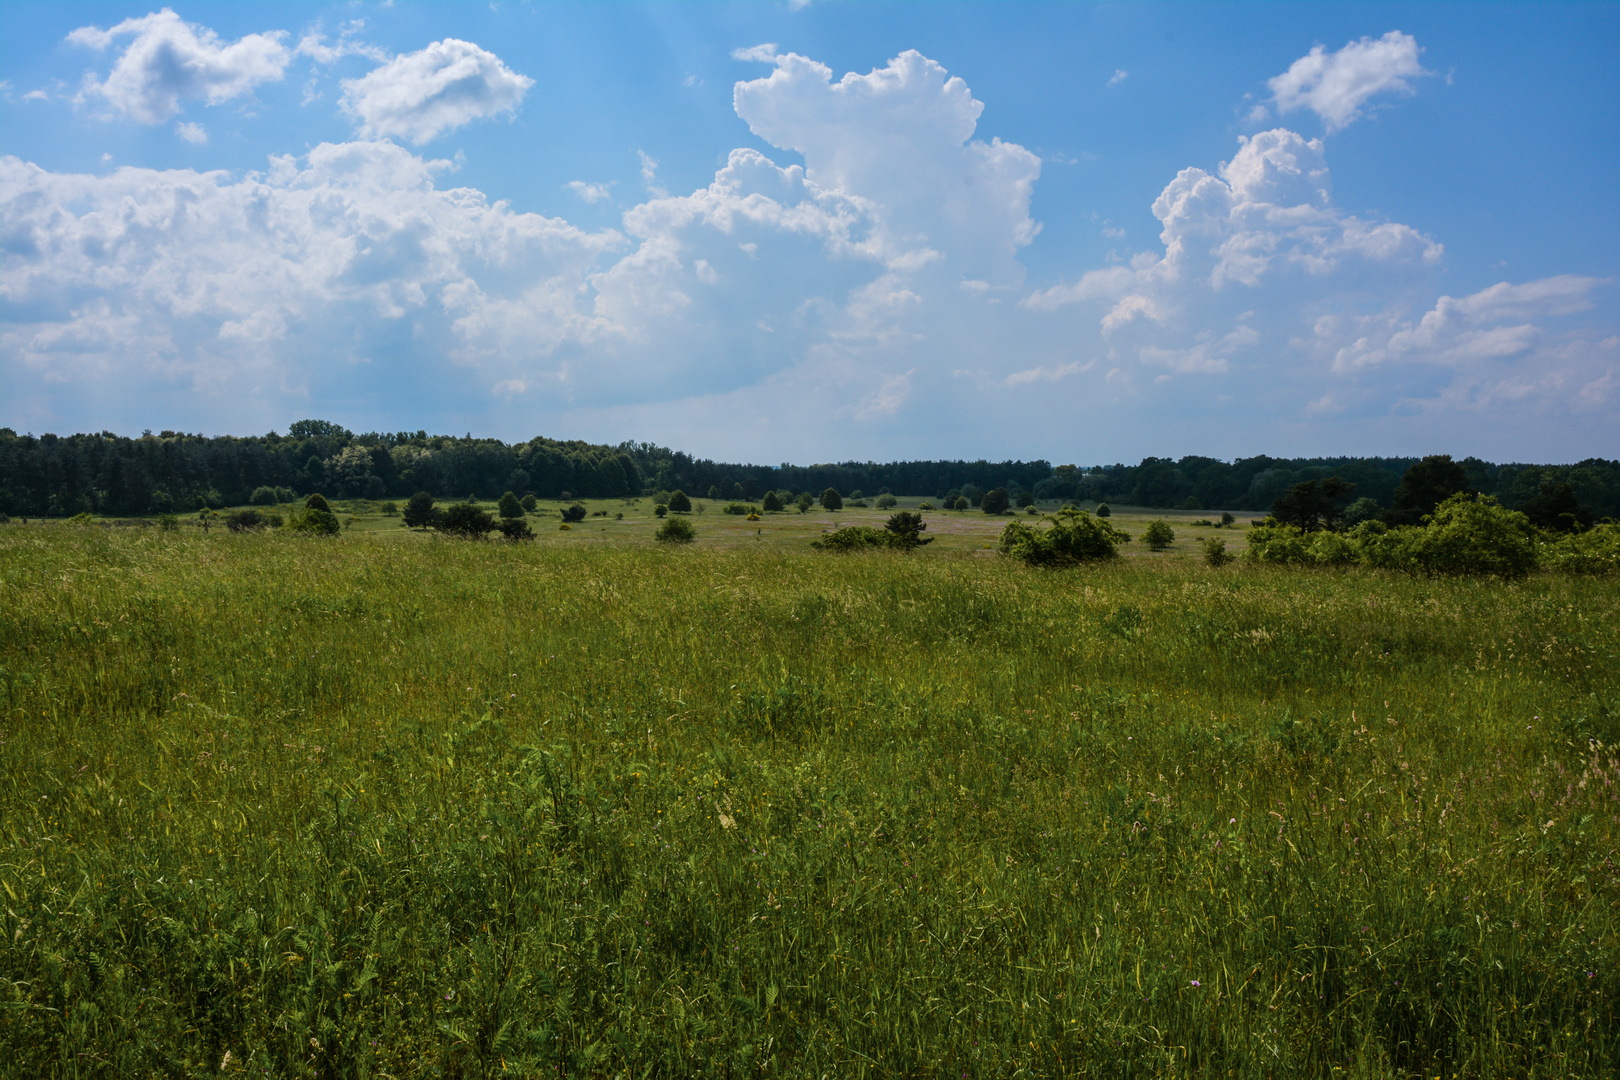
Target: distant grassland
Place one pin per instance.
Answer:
(288, 807)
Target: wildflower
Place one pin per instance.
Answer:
(1196, 984)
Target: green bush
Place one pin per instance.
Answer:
(264, 496)
(575, 512)
(675, 531)
(528, 503)
(925, 505)
(853, 538)
(1071, 537)
(1103, 511)
(465, 520)
(168, 523)
(804, 502)
(831, 500)
(995, 501)
(771, 503)
(509, 506)
(886, 502)
(1159, 535)
(317, 501)
(905, 530)
(680, 503)
(1215, 553)
(1474, 534)
(741, 509)
(515, 528)
(315, 518)
(660, 510)
(245, 521)
(1596, 551)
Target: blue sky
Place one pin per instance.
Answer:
(825, 230)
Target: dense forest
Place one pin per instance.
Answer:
(104, 473)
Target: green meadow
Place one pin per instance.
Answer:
(392, 805)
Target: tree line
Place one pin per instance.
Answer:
(170, 472)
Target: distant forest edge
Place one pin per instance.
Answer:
(58, 476)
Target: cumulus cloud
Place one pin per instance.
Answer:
(314, 45)
(168, 61)
(591, 193)
(192, 133)
(901, 137)
(1336, 85)
(422, 95)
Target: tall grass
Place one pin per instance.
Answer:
(292, 807)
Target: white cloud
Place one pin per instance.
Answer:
(424, 94)
(169, 61)
(901, 138)
(192, 133)
(1119, 76)
(1336, 85)
(591, 193)
(649, 175)
(314, 45)
(1053, 373)
(36, 95)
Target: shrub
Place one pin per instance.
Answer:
(245, 521)
(741, 509)
(1026, 498)
(1073, 536)
(419, 511)
(675, 531)
(679, 503)
(390, 509)
(831, 500)
(714, 492)
(961, 503)
(83, 517)
(515, 529)
(1596, 551)
(804, 502)
(528, 503)
(1363, 509)
(995, 501)
(1227, 519)
(886, 502)
(853, 538)
(168, 523)
(925, 505)
(509, 506)
(314, 520)
(465, 520)
(1215, 553)
(264, 496)
(1031, 511)
(1474, 534)
(573, 513)
(317, 501)
(1159, 535)
(770, 504)
(857, 494)
(659, 510)
(1103, 511)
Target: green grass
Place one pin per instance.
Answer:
(365, 807)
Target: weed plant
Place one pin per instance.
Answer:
(290, 807)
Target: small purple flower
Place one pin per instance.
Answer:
(1196, 983)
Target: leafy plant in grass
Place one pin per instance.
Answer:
(995, 501)
(905, 530)
(1070, 537)
(465, 520)
(315, 518)
(804, 502)
(510, 507)
(1158, 534)
(741, 509)
(831, 500)
(1103, 511)
(576, 512)
(886, 502)
(1215, 553)
(771, 503)
(660, 510)
(853, 538)
(515, 528)
(245, 521)
(675, 531)
(680, 502)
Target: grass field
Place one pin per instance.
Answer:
(391, 805)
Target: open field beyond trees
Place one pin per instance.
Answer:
(392, 804)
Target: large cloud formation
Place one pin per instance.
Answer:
(871, 298)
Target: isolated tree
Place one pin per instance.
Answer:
(679, 503)
(995, 501)
(1103, 511)
(419, 511)
(574, 513)
(805, 501)
(831, 500)
(317, 501)
(1227, 519)
(660, 510)
(1425, 486)
(885, 501)
(1158, 534)
(528, 503)
(771, 503)
(315, 517)
(905, 530)
(510, 507)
